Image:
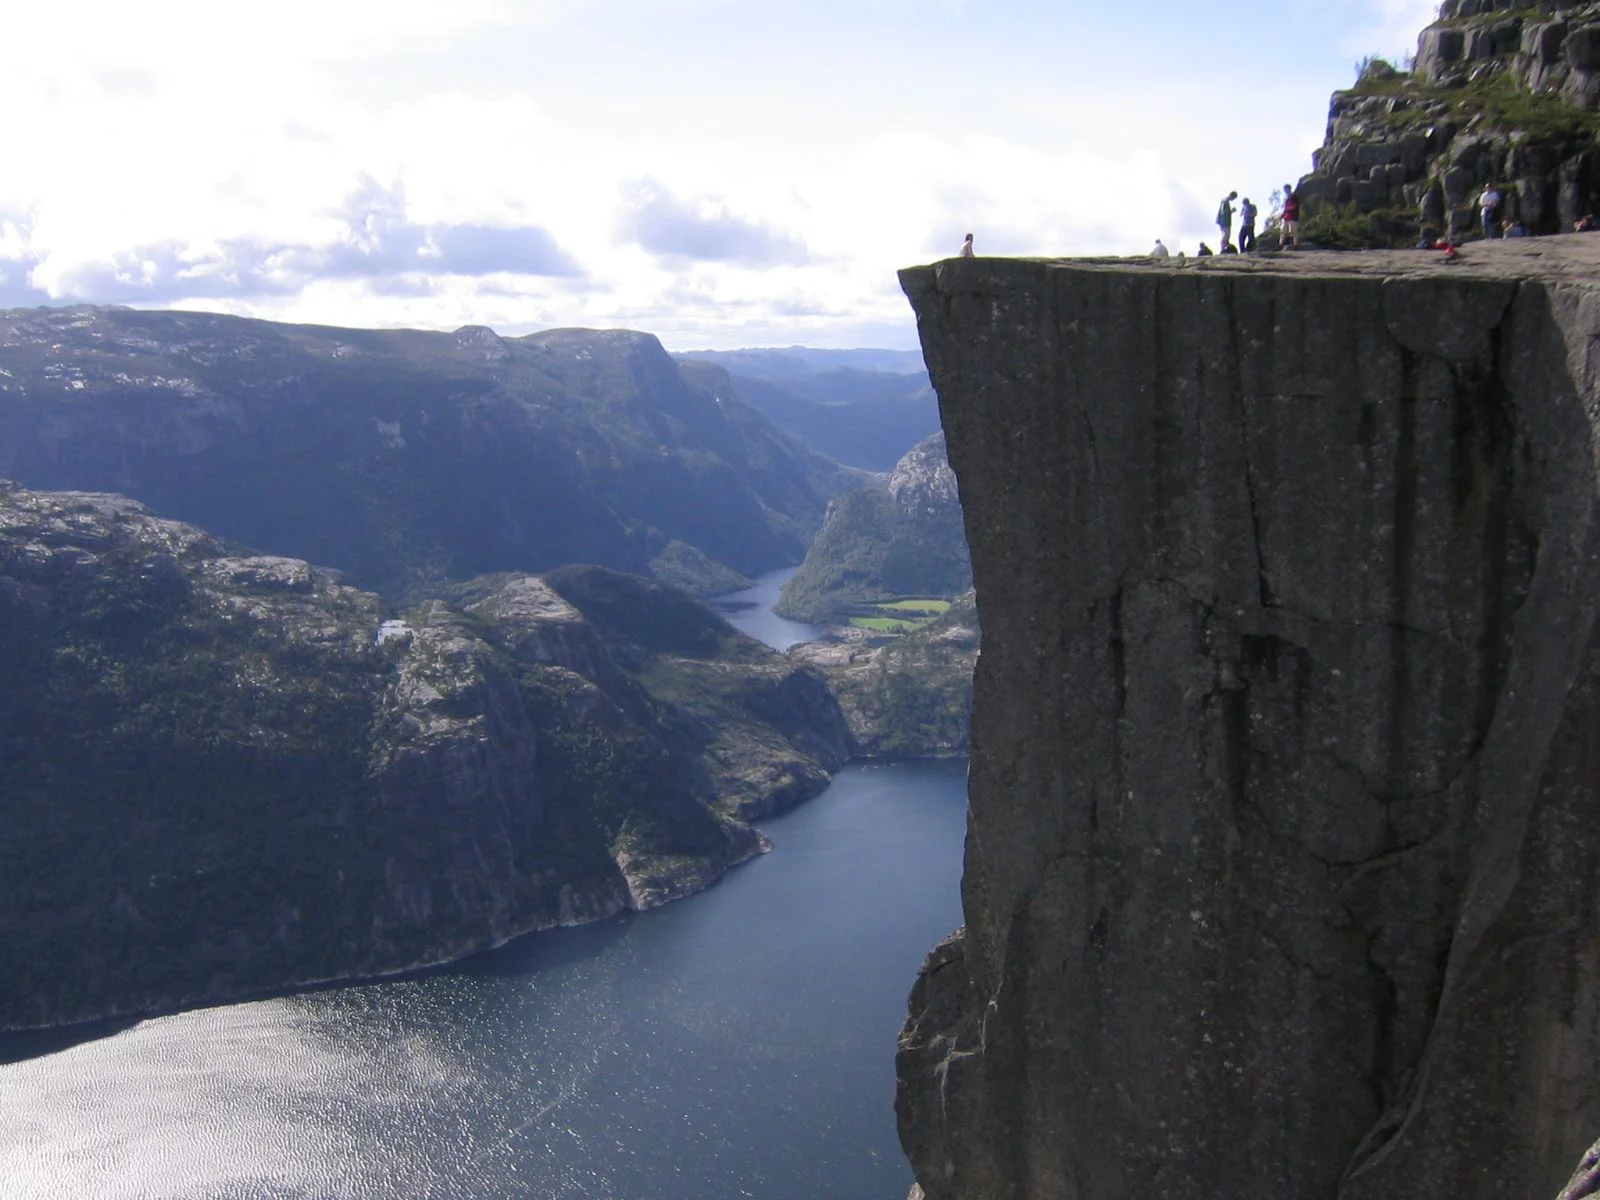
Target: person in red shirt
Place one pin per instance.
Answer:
(1290, 232)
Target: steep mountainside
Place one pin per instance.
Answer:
(865, 416)
(223, 773)
(1281, 875)
(408, 458)
(883, 542)
(1502, 91)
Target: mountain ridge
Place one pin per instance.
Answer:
(410, 458)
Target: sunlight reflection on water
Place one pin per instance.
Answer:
(738, 1043)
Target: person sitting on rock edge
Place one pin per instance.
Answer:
(1203, 252)
(966, 247)
(1160, 251)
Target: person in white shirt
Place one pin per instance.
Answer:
(966, 247)
(1489, 211)
(1160, 251)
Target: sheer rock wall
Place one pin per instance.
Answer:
(1280, 874)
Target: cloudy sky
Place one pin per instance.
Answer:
(719, 172)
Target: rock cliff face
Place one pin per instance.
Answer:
(1502, 91)
(1280, 876)
(224, 773)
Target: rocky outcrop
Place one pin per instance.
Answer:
(409, 459)
(908, 696)
(224, 773)
(1280, 875)
(878, 543)
(1502, 92)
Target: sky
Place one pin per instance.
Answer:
(720, 173)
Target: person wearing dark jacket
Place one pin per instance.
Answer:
(1247, 226)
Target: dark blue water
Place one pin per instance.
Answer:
(739, 1043)
(751, 611)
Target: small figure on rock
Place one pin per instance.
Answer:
(1247, 225)
(966, 246)
(1160, 251)
(1489, 211)
(1289, 231)
(1203, 252)
(1225, 217)
(1584, 224)
(1516, 230)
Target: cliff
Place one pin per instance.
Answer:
(1501, 91)
(408, 458)
(1280, 875)
(223, 773)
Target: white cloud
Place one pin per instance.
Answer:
(278, 162)
(1389, 28)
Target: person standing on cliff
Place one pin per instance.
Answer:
(1289, 231)
(1225, 217)
(966, 247)
(1247, 226)
(1489, 211)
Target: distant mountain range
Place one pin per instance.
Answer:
(864, 408)
(408, 459)
(791, 363)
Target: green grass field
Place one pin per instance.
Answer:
(921, 607)
(900, 616)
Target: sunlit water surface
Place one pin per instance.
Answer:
(739, 1043)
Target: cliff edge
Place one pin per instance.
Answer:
(1280, 871)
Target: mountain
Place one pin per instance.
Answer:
(1500, 92)
(836, 402)
(795, 363)
(901, 539)
(224, 773)
(410, 458)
